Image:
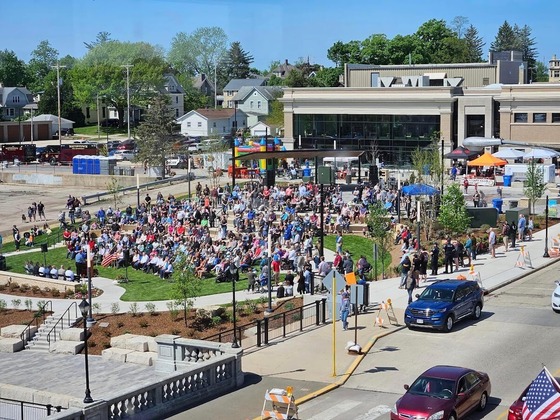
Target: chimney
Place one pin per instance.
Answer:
(286, 61)
(202, 77)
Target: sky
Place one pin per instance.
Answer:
(269, 30)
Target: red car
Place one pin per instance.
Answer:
(516, 408)
(443, 393)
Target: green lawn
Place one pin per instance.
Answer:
(358, 246)
(91, 130)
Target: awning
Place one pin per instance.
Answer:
(487, 160)
(461, 153)
(302, 154)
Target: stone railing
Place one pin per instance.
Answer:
(193, 372)
(7, 277)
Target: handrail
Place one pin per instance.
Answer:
(133, 188)
(27, 329)
(66, 312)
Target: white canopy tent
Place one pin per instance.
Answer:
(541, 154)
(508, 153)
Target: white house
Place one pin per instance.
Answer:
(260, 129)
(211, 122)
(255, 101)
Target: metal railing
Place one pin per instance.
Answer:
(25, 335)
(65, 315)
(145, 186)
(276, 326)
(21, 410)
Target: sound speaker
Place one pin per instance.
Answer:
(126, 256)
(325, 175)
(44, 248)
(373, 174)
(270, 178)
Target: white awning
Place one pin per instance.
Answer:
(436, 76)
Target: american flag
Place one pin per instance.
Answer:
(542, 401)
(108, 259)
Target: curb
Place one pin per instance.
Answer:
(519, 277)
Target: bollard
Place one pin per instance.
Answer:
(317, 312)
(259, 332)
(266, 331)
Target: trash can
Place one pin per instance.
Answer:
(2, 263)
(507, 180)
(306, 171)
(348, 179)
(497, 204)
(513, 204)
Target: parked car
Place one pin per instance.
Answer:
(179, 162)
(516, 409)
(67, 132)
(444, 392)
(111, 122)
(124, 155)
(129, 144)
(556, 298)
(444, 303)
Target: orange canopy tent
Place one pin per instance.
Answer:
(487, 160)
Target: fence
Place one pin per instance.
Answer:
(19, 410)
(276, 326)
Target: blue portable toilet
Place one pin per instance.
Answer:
(82, 163)
(96, 165)
(75, 164)
(89, 165)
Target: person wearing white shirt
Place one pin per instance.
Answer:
(69, 275)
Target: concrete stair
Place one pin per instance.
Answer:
(39, 341)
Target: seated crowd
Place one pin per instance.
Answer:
(50, 271)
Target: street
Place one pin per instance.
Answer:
(515, 336)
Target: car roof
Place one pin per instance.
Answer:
(446, 372)
(450, 284)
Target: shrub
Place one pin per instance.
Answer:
(13, 286)
(107, 334)
(115, 308)
(151, 308)
(16, 303)
(173, 310)
(3, 305)
(484, 228)
(28, 304)
(262, 300)
(288, 306)
(143, 324)
(175, 331)
(41, 305)
(36, 290)
(69, 294)
(216, 320)
(133, 309)
(55, 293)
(24, 287)
(252, 305)
(96, 307)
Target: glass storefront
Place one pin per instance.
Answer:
(394, 137)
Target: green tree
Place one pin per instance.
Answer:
(327, 77)
(341, 53)
(276, 113)
(13, 71)
(453, 213)
(186, 286)
(155, 133)
(198, 52)
(458, 25)
(526, 44)
(404, 49)
(474, 45)
(435, 39)
(379, 229)
(42, 58)
(69, 108)
(296, 78)
(540, 72)
(237, 62)
(506, 39)
(534, 184)
(101, 38)
(375, 50)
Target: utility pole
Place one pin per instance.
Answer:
(128, 66)
(58, 83)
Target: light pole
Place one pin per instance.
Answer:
(546, 255)
(128, 66)
(234, 274)
(90, 320)
(58, 83)
(442, 169)
(84, 308)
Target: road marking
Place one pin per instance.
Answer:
(310, 404)
(336, 410)
(374, 413)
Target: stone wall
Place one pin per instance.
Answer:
(62, 286)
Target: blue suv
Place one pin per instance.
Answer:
(443, 303)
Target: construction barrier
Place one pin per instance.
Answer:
(282, 404)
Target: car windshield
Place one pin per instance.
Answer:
(433, 387)
(433, 293)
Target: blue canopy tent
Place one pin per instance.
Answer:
(420, 189)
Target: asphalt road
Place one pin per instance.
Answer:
(517, 333)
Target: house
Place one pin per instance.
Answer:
(12, 101)
(255, 101)
(283, 70)
(211, 122)
(203, 85)
(260, 129)
(233, 87)
(176, 93)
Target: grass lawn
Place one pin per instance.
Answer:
(91, 130)
(358, 246)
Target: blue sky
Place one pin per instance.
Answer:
(267, 29)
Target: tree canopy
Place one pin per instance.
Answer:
(13, 71)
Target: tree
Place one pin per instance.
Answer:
(42, 58)
(155, 133)
(506, 39)
(453, 213)
(375, 50)
(534, 184)
(101, 38)
(474, 44)
(276, 113)
(526, 45)
(434, 39)
(13, 71)
(540, 72)
(341, 53)
(237, 62)
(186, 286)
(198, 52)
(69, 108)
(458, 25)
(296, 78)
(379, 229)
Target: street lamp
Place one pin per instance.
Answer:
(546, 254)
(233, 150)
(128, 66)
(84, 309)
(234, 271)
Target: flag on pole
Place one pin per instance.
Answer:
(108, 259)
(542, 401)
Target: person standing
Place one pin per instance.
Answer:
(411, 283)
(530, 227)
(435, 259)
(448, 252)
(505, 234)
(405, 268)
(492, 242)
(344, 307)
(41, 211)
(476, 198)
(466, 185)
(521, 224)
(513, 233)
(339, 243)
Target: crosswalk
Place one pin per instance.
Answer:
(327, 408)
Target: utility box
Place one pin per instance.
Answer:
(513, 214)
(325, 175)
(483, 216)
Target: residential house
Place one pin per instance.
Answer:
(211, 122)
(255, 101)
(233, 87)
(283, 70)
(203, 85)
(176, 94)
(12, 101)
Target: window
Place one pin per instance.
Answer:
(10, 112)
(556, 73)
(539, 117)
(214, 124)
(475, 126)
(103, 112)
(176, 113)
(485, 81)
(230, 104)
(188, 123)
(520, 117)
(176, 99)
(259, 104)
(87, 112)
(251, 104)
(556, 117)
(199, 124)
(15, 99)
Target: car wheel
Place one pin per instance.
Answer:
(483, 401)
(477, 312)
(448, 326)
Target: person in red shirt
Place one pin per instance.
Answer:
(337, 260)
(275, 265)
